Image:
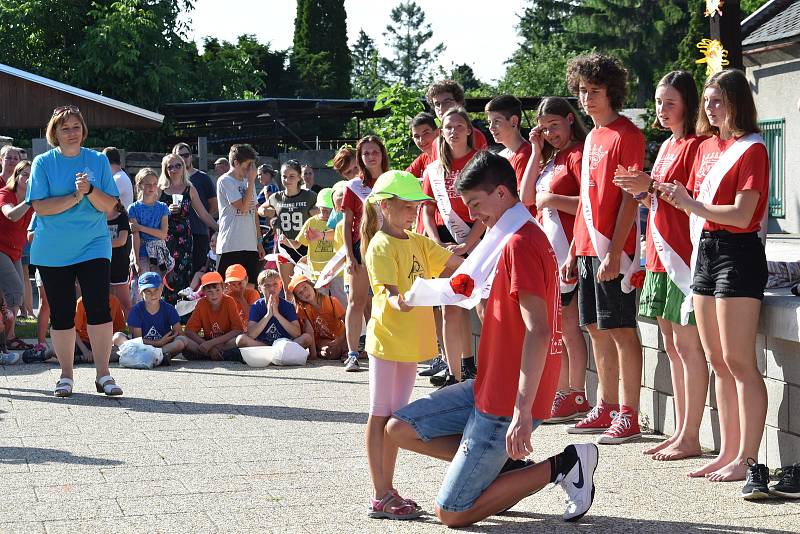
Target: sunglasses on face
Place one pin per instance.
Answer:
(174, 166)
(185, 155)
(61, 109)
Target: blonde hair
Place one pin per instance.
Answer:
(58, 118)
(445, 152)
(140, 176)
(267, 274)
(163, 181)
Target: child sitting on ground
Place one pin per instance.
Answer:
(155, 321)
(272, 318)
(243, 296)
(210, 265)
(218, 319)
(6, 321)
(83, 349)
(321, 316)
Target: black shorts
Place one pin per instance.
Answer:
(200, 248)
(567, 298)
(730, 265)
(120, 265)
(59, 285)
(357, 251)
(301, 251)
(603, 303)
(246, 258)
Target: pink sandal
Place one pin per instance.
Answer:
(392, 506)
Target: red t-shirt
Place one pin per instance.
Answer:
(418, 166)
(619, 143)
(673, 224)
(528, 264)
(518, 159)
(566, 181)
(449, 183)
(478, 143)
(751, 172)
(352, 202)
(13, 235)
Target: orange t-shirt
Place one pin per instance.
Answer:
(751, 172)
(327, 320)
(117, 317)
(527, 264)
(618, 143)
(214, 323)
(250, 296)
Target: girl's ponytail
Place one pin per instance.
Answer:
(369, 224)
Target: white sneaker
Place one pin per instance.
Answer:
(9, 358)
(578, 484)
(351, 363)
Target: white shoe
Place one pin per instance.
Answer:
(351, 363)
(578, 484)
(9, 358)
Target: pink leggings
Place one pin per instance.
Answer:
(390, 385)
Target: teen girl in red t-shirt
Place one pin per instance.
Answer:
(730, 272)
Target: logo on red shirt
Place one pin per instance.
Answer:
(706, 164)
(596, 155)
(662, 166)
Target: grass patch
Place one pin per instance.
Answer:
(26, 328)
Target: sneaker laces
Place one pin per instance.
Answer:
(755, 473)
(594, 414)
(788, 474)
(620, 422)
(559, 398)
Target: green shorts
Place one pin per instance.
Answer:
(662, 298)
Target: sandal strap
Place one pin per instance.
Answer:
(108, 384)
(64, 381)
(103, 380)
(401, 507)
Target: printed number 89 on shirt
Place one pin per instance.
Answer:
(291, 221)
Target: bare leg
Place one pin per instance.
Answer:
(381, 456)
(356, 304)
(738, 319)
(123, 294)
(43, 321)
(607, 361)
(100, 337)
(724, 385)
(575, 345)
(676, 370)
(629, 352)
(64, 346)
(454, 338)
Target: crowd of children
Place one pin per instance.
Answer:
(568, 200)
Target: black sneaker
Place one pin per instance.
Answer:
(449, 381)
(468, 372)
(437, 364)
(441, 377)
(513, 465)
(789, 484)
(37, 354)
(755, 486)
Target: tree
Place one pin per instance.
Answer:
(320, 57)
(403, 103)
(542, 20)
(538, 71)
(688, 53)
(750, 6)
(367, 80)
(464, 75)
(408, 36)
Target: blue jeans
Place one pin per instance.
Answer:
(482, 452)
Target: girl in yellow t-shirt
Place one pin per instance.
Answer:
(398, 335)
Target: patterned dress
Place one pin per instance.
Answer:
(179, 243)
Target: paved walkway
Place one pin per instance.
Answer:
(202, 447)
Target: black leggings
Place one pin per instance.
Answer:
(59, 285)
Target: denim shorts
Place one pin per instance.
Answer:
(730, 265)
(482, 453)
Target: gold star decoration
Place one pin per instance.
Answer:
(714, 6)
(713, 55)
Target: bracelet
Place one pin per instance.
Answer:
(640, 196)
(650, 188)
(91, 188)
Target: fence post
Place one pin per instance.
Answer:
(202, 153)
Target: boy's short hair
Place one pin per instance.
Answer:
(423, 119)
(178, 146)
(445, 86)
(241, 153)
(506, 105)
(113, 155)
(485, 171)
(599, 69)
(267, 274)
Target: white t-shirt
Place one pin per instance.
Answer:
(237, 229)
(125, 188)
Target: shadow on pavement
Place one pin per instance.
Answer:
(36, 455)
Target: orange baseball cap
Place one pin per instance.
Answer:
(210, 278)
(235, 273)
(296, 280)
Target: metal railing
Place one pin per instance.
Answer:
(772, 131)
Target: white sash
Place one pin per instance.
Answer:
(708, 189)
(601, 243)
(551, 223)
(356, 185)
(677, 269)
(332, 269)
(455, 224)
(480, 265)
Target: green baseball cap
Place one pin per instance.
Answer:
(399, 184)
(325, 198)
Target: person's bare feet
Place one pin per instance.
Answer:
(736, 470)
(717, 463)
(662, 445)
(678, 451)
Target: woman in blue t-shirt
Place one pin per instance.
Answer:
(71, 189)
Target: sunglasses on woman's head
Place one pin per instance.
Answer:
(174, 166)
(61, 109)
